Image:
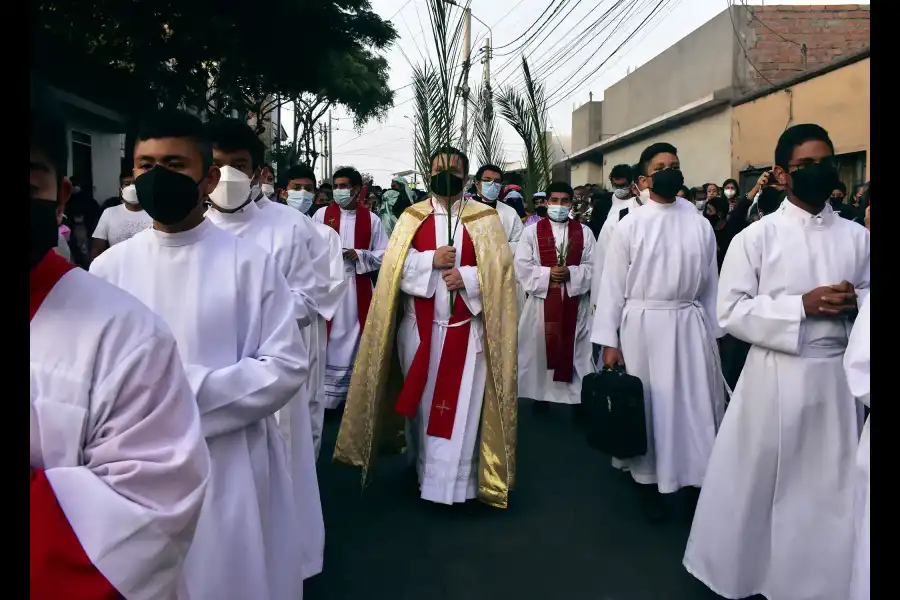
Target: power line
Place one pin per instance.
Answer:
(760, 21)
(737, 37)
(400, 10)
(541, 16)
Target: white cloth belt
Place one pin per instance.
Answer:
(448, 325)
(682, 305)
(814, 351)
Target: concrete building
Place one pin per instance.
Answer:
(835, 96)
(687, 95)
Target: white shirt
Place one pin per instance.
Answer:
(118, 224)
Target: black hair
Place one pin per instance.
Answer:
(653, 150)
(560, 186)
(687, 192)
(621, 172)
(326, 186)
(484, 168)
(635, 171)
(721, 206)
(841, 186)
(864, 199)
(770, 199)
(125, 175)
(796, 136)
(350, 173)
(232, 135)
(301, 172)
(452, 151)
(177, 124)
(706, 186)
(737, 188)
(47, 129)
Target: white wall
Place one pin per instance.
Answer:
(106, 163)
(704, 149)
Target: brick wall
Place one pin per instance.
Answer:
(775, 35)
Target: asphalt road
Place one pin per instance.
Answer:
(574, 530)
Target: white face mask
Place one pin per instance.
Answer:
(129, 194)
(233, 189)
(300, 199)
(622, 193)
(699, 204)
(490, 191)
(343, 198)
(267, 189)
(558, 213)
(729, 193)
(644, 197)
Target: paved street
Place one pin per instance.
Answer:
(574, 531)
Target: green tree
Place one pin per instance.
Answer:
(219, 57)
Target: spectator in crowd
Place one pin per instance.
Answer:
(731, 191)
(125, 179)
(712, 190)
(684, 192)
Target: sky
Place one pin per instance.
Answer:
(386, 147)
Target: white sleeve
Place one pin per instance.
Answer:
(101, 232)
(857, 356)
(599, 255)
(755, 318)
(580, 277)
(710, 286)
(611, 300)
(135, 501)
(516, 234)
(533, 278)
(370, 260)
(419, 277)
(259, 385)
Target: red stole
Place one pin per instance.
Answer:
(560, 311)
(362, 239)
(58, 565)
(453, 354)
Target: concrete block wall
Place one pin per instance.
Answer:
(774, 35)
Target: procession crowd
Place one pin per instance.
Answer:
(214, 312)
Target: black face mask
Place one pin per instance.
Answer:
(667, 182)
(814, 183)
(167, 196)
(44, 230)
(446, 184)
(541, 211)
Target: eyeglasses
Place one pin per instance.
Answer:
(828, 161)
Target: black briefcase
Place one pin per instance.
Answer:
(614, 405)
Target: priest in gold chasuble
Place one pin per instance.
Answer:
(446, 295)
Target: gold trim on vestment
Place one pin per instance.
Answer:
(370, 425)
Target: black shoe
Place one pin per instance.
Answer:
(691, 497)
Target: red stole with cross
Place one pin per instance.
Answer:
(560, 310)
(362, 239)
(59, 565)
(453, 354)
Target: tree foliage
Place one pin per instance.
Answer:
(526, 112)
(486, 131)
(223, 56)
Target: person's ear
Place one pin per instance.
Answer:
(212, 180)
(65, 192)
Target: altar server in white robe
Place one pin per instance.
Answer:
(363, 242)
(856, 366)
(119, 466)
(620, 208)
(236, 149)
(489, 184)
(656, 315)
(553, 264)
(234, 319)
(776, 514)
(328, 261)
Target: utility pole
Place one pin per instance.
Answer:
(330, 153)
(487, 62)
(467, 43)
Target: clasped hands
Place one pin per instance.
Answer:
(830, 301)
(445, 261)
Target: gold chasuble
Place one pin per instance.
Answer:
(370, 425)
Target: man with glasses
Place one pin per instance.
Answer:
(775, 517)
(488, 184)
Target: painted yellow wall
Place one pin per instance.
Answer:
(838, 101)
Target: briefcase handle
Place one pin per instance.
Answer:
(616, 368)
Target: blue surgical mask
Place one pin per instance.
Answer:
(558, 213)
(300, 199)
(490, 191)
(343, 197)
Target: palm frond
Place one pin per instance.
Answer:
(447, 32)
(487, 136)
(424, 87)
(537, 109)
(515, 110)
